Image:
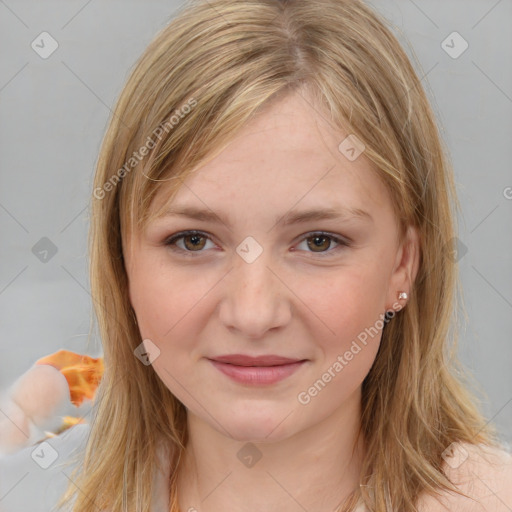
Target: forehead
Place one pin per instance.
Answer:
(289, 154)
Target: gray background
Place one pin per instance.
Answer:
(53, 113)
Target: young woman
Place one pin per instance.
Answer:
(272, 224)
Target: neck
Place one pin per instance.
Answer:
(314, 469)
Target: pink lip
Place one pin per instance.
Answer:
(256, 370)
(245, 360)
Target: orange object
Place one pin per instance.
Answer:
(82, 372)
(67, 422)
(70, 421)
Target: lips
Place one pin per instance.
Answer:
(246, 360)
(261, 370)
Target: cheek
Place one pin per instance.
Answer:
(156, 299)
(349, 301)
(164, 305)
(171, 307)
(347, 342)
(151, 303)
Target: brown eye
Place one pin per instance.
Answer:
(319, 243)
(188, 242)
(193, 242)
(322, 243)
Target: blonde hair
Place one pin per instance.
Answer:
(212, 69)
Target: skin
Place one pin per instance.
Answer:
(295, 300)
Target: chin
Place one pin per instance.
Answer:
(257, 428)
(255, 434)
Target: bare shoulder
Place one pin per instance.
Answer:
(483, 473)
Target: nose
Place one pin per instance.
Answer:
(254, 299)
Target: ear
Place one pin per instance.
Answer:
(405, 269)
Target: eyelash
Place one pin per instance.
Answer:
(171, 242)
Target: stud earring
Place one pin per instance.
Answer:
(402, 295)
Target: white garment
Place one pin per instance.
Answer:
(34, 478)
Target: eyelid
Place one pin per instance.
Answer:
(342, 241)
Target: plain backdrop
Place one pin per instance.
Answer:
(53, 114)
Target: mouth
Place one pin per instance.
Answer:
(246, 360)
(257, 370)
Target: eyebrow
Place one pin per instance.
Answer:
(293, 217)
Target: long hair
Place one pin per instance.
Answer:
(205, 75)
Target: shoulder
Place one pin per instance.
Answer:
(483, 473)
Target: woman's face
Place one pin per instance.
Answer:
(260, 279)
